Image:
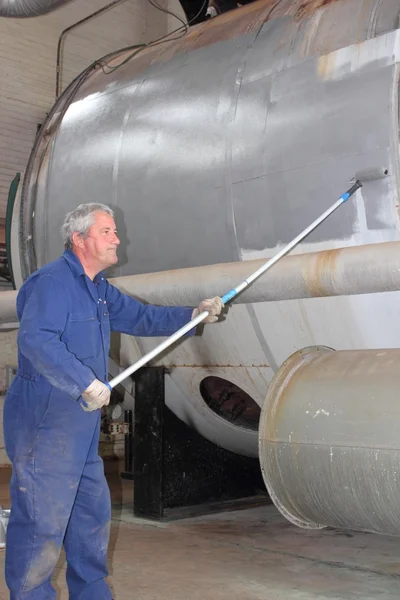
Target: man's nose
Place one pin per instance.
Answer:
(116, 240)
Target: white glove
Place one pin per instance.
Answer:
(213, 306)
(96, 396)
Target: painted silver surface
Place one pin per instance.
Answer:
(195, 151)
(330, 441)
(28, 8)
(220, 148)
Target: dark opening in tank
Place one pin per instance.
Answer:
(230, 402)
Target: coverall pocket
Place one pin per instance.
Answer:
(81, 336)
(25, 410)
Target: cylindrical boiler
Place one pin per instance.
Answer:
(329, 439)
(220, 147)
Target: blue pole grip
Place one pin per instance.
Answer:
(108, 385)
(345, 196)
(351, 191)
(229, 295)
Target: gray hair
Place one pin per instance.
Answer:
(80, 220)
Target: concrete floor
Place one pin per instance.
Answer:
(250, 554)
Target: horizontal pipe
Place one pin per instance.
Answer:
(18, 9)
(347, 271)
(340, 272)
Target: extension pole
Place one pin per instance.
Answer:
(360, 178)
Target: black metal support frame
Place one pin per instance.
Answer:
(177, 472)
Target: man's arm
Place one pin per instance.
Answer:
(130, 316)
(43, 321)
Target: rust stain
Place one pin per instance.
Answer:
(310, 44)
(308, 7)
(249, 18)
(322, 269)
(284, 382)
(229, 25)
(44, 164)
(326, 65)
(278, 412)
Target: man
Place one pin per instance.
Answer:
(52, 411)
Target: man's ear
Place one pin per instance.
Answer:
(77, 239)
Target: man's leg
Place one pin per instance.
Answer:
(87, 536)
(48, 446)
(41, 506)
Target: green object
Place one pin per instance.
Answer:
(10, 208)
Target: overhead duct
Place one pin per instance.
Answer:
(19, 9)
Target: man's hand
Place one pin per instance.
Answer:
(96, 396)
(213, 306)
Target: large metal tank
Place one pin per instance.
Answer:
(330, 440)
(220, 147)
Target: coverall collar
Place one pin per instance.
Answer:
(76, 266)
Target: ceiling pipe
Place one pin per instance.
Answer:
(71, 28)
(21, 9)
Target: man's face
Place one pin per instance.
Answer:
(100, 246)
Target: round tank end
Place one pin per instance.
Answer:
(275, 448)
(329, 441)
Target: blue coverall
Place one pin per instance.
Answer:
(58, 489)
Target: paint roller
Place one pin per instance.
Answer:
(360, 178)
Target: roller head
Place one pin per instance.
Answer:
(371, 174)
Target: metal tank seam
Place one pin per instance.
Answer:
(395, 142)
(374, 19)
(250, 308)
(116, 164)
(118, 153)
(236, 94)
